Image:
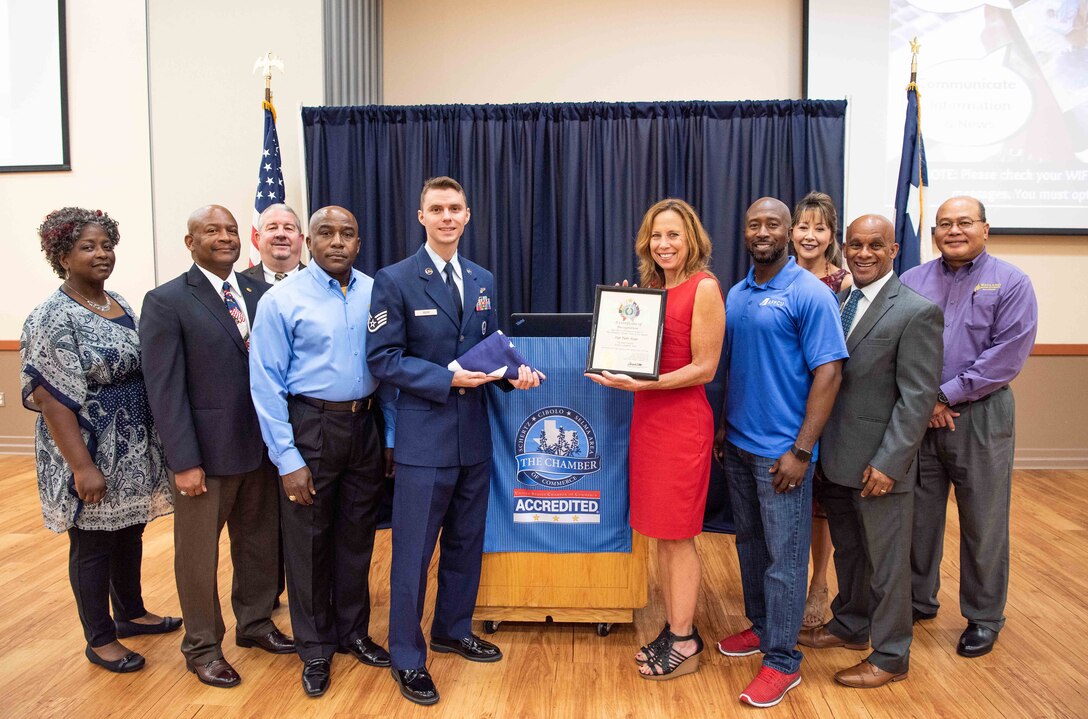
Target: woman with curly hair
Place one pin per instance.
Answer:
(101, 474)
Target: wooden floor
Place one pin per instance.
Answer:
(1037, 669)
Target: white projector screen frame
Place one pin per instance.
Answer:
(33, 87)
(1022, 159)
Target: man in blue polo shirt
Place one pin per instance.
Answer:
(785, 348)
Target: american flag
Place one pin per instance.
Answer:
(270, 188)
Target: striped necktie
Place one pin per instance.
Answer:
(236, 313)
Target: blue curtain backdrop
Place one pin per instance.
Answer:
(557, 191)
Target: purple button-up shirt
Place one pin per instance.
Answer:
(990, 318)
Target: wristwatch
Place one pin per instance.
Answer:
(943, 398)
(802, 454)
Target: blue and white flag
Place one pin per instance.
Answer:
(913, 177)
(559, 458)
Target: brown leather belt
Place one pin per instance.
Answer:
(355, 405)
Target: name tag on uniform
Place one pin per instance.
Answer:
(426, 313)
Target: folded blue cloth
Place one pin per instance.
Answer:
(495, 355)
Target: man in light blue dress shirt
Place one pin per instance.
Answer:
(313, 394)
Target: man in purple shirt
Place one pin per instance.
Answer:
(990, 318)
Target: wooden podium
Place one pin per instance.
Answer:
(601, 587)
(604, 588)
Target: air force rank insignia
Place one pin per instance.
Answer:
(376, 322)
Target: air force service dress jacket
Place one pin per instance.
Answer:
(414, 335)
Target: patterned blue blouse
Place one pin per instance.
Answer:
(91, 365)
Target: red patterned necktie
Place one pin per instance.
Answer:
(236, 313)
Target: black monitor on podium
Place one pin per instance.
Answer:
(551, 324)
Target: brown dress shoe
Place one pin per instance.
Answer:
(216, 673)
(821, 638)
(274, 642)
(867, 676)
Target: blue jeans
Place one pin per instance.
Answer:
(773, 535)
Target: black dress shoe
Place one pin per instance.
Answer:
(368, 652)
(976, 640)
(216, 673)
(471, 647)
(275, 642)
(132, 629)
(315, 676)
(917, 616)
(131, 662)
(416, 685)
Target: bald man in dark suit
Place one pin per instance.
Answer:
(194, 336)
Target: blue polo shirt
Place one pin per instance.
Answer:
(776, 335)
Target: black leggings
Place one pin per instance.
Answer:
(104, 565)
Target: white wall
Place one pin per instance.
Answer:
(478, 51)
(108, 130)
(206, 113)
(206, 131)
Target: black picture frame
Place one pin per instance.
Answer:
(62, 86)
(604, 300)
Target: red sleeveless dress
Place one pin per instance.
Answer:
(672, 433)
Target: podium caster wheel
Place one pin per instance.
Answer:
(490, 627)
(603, 629)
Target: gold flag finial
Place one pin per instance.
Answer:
(915, 46)
(266, 63)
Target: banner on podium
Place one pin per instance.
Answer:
(559, 463)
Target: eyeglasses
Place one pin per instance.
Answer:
(964, 225)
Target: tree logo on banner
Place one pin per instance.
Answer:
(555, 447)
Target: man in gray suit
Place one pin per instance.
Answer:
(279, 240)
(870, 445)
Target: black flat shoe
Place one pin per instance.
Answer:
(471, 647)
(132, 629)
(367, 651)
(976, 641)
(315, 676)
(416, 685)
(131, 662)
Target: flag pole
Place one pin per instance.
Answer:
(915, 47)
(270, 187)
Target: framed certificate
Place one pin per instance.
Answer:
(627, 327)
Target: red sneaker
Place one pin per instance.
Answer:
(769, 687)
(739, 645)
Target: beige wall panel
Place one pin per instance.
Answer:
(1057, 266)
(206, 110)
(481, 51)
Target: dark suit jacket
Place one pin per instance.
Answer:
(256, 272)
(889, 387)
(196, 368)
(413, 336)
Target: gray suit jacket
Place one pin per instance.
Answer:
(889, 387)
(256, 272)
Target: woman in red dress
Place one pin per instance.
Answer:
(815, 224)
(672, 427)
